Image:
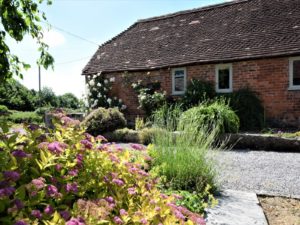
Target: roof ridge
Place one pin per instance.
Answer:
(204, 8)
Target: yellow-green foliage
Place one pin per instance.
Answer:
(69, 177)
(139, 123)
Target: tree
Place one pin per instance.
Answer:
(20, 18)
(16, 96)
(68, 100)
(48, 97)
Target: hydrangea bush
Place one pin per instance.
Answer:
(98, 88)
(149, 97)
(69, 177)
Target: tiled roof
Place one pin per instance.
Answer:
(237, 30)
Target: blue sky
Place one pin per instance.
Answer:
(94, 20)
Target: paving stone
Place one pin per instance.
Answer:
(236, 208)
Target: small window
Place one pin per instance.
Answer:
(224, 78)
(178, 81)
(294, 69)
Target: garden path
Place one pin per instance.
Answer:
(270, 173)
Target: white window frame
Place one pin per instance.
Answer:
(291, 73)
(223, 66)
(173, 81)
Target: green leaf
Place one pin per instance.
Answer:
(21, 193)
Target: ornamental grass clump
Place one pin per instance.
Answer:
(183, 158)
(70, 177)
(211, 115)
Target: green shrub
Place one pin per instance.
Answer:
(124, 135)
(16, 96)
(249, 109)
(167, 116)
(149, 96)
(197, 92)
(4, 110)
(216, 115)
(103, 120)
(24, 117)
(196, 201)
(42, 110)
(181, 158)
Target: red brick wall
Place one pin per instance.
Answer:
(268, 77)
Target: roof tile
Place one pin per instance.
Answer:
(237, 30)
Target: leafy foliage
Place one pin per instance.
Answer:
(16, 96)
(196, 201)
(248, 107)
(216, 115)
(104, 120)
(197, 92)
(20, 18)
(48, 98)
(24, 117)
(68, 100)
(4, 110)
(149, 96)
(167, 116)
(44, 180)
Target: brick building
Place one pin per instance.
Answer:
(254, 43)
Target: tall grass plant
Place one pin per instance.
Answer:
(183, 158)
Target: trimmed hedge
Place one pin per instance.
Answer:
(103, 120)
(24, 117)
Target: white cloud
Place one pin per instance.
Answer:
(53, 38)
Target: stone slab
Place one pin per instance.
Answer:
(236, 208)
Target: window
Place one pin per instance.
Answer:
(224, 78)
(294, 73)
(178, 81)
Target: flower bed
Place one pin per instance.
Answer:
(70, 177)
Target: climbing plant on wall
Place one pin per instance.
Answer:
(98, 93)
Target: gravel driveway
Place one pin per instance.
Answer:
(273, 173)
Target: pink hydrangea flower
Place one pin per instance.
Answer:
(143, 221)
(52, 191)
(118, 182)
(36, 213)
(101, 138)
(20, 222)
(65, 215)
(72, 187)
(132, 191)
(38, 183)
(87, 144)
(76, 221)
(137, 147)
(57, 147)
(118, 220)
(49, 210)
(123, 212)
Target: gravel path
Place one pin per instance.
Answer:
(271, 173)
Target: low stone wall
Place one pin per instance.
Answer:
(261, 142)
(234, 141)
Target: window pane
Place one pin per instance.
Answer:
(179, 83)
(179, 73)
(296, 74)
(224, 79)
